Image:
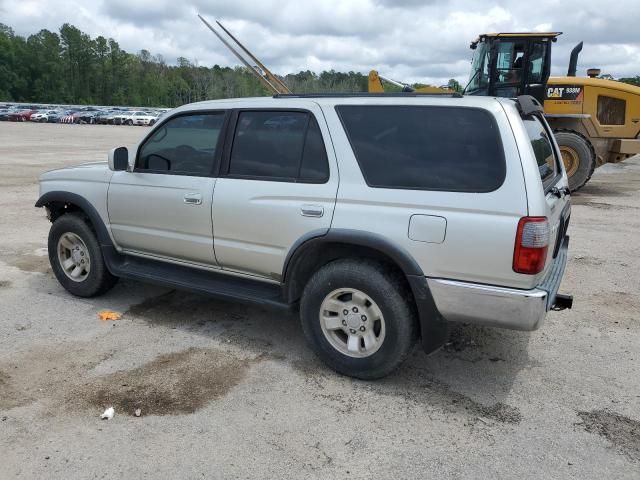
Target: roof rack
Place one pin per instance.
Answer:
(365, 94)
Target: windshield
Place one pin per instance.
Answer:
(479, 77)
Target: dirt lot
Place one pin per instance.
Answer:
(231, 391)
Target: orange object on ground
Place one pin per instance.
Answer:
(109, 315)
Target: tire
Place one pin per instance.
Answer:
(395, 330)
(130, 122)
(152, 123)
(71, 228)
(578, 156)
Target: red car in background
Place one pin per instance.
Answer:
(21, 116)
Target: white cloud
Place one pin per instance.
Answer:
(410, 40)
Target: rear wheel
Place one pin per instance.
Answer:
(76, 258)
(578, 157)
(359, 318)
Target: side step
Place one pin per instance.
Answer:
(218, 285)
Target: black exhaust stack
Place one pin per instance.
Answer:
(573, 60)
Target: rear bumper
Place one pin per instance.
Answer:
(499, 306)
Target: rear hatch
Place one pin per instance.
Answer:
(554, 183)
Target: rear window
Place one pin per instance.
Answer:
(543, 150)
(452, 149)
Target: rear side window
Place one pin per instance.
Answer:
(315, 166)
(277, 145)
(451, 149)
(543, 150)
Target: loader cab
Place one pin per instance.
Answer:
(511, 64)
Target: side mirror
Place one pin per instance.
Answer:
(118, 159)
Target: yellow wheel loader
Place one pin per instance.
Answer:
(595, 121)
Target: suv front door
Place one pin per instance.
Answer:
(163, 207)
(278, 184)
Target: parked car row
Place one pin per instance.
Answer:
(84, 115)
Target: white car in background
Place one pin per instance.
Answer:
(43, 115)
(139, 118)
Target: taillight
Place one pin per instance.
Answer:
(532, 243)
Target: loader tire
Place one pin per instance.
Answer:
(578, 156)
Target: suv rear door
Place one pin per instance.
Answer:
(277, 185)
(553, 181)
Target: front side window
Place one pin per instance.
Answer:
(184, 145)
(543, 150)
(451, 149)
(278, 145)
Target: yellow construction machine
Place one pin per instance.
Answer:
(376, 85)
(595, 121)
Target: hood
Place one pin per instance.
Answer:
(90, 171)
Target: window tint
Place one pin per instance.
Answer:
(278, 146)
(611, 110)
(183, 145)
(427, 148)
(314, 167)
(543, 150)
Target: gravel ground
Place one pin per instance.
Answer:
(232, 391)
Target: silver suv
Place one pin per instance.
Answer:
(382, 218)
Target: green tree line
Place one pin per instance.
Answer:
(71, 67)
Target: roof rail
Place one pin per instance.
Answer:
(366, 94)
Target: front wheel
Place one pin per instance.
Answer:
(129, 122)
(76, 258)
(359, 318)
(578, 157)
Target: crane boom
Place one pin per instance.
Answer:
(272, 82)
(270, 76)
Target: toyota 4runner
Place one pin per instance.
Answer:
(382, 218)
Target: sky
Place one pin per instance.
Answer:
(423, 41)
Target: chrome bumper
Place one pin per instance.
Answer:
(499, 306)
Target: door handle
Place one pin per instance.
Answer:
(193, 198)
(312, 210)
